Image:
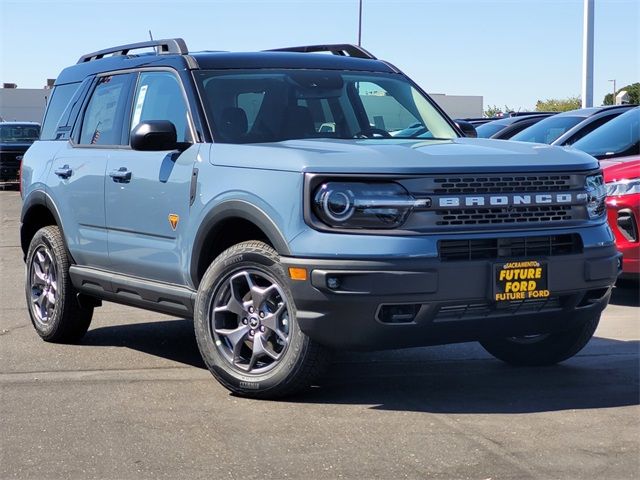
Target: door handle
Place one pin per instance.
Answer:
(63, 172)
(122, 175)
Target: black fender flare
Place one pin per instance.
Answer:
(34, 199)
(234, 209)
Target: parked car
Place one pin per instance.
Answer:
(617, 145)
(15, 139)
(568, 127)
(204, 185)
(505, 128)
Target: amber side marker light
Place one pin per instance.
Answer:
(297, 273)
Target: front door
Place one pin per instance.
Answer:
(148, 193)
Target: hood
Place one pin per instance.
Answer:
(396, 156)
(621, 168)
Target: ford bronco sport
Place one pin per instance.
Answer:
(203, 185)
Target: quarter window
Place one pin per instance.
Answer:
(102, 123)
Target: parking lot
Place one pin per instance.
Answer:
(134, 400)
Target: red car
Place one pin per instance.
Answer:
(617, 145)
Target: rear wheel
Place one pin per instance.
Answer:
(546, 349)
(246, 326)
(52, 300)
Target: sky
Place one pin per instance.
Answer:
(511, 52)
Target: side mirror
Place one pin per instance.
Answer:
(468, 130)
(154, 135)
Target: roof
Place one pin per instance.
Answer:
(240, 60)
(174, 54)
(587, 112)
(36, 124)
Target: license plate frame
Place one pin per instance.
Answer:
(519, 280)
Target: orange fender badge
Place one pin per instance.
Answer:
(173, 221)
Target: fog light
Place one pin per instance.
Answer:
(333, 283)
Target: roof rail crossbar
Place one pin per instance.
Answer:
(342, 49)
(168, 45)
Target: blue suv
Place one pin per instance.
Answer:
(280, 200)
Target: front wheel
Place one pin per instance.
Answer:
(545, 349)
(246, 327)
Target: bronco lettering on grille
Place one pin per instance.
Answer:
(505, 200)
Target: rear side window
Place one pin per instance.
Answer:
(60, 98)
(102, 122)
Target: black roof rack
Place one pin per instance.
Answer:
(342, 49)
(169, 45)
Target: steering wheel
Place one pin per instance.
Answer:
(371, 132)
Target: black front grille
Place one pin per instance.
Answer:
(463, 311)
(502, 184)
(11, 159)
(488, 216)
(494, 248)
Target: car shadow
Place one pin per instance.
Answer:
(170, 339)
(626, 293)
(445, 379)
(604, 375)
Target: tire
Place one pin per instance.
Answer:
(246, 328)
(52, 300)
(546, 349)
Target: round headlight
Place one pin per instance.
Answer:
(338, 205)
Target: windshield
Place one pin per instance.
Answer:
(618, 138)
(254, 106)
(547, 130)
(486, 130)
(15, 133)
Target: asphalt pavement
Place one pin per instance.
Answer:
(134, 401)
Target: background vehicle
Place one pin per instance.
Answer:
(617, 145)
(204, 185)
(15, 139)
(568, 127)
(505, 128)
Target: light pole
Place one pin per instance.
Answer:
(613, 99)
(587, 55)
(360, 24)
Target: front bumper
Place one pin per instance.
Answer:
(623, 214)
(440, 302)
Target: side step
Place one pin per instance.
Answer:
(136, 292)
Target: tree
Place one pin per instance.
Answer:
(558, 104)
(495, 111)
(634, 94)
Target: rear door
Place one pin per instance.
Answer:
(148, 193)
(76, 179)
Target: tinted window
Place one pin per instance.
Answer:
(159, 97)
(547, 130)
(617, 138)
(60, 98)
(102, 122)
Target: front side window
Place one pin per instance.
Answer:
(102, 122)
(269, 105)
(159, 97)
